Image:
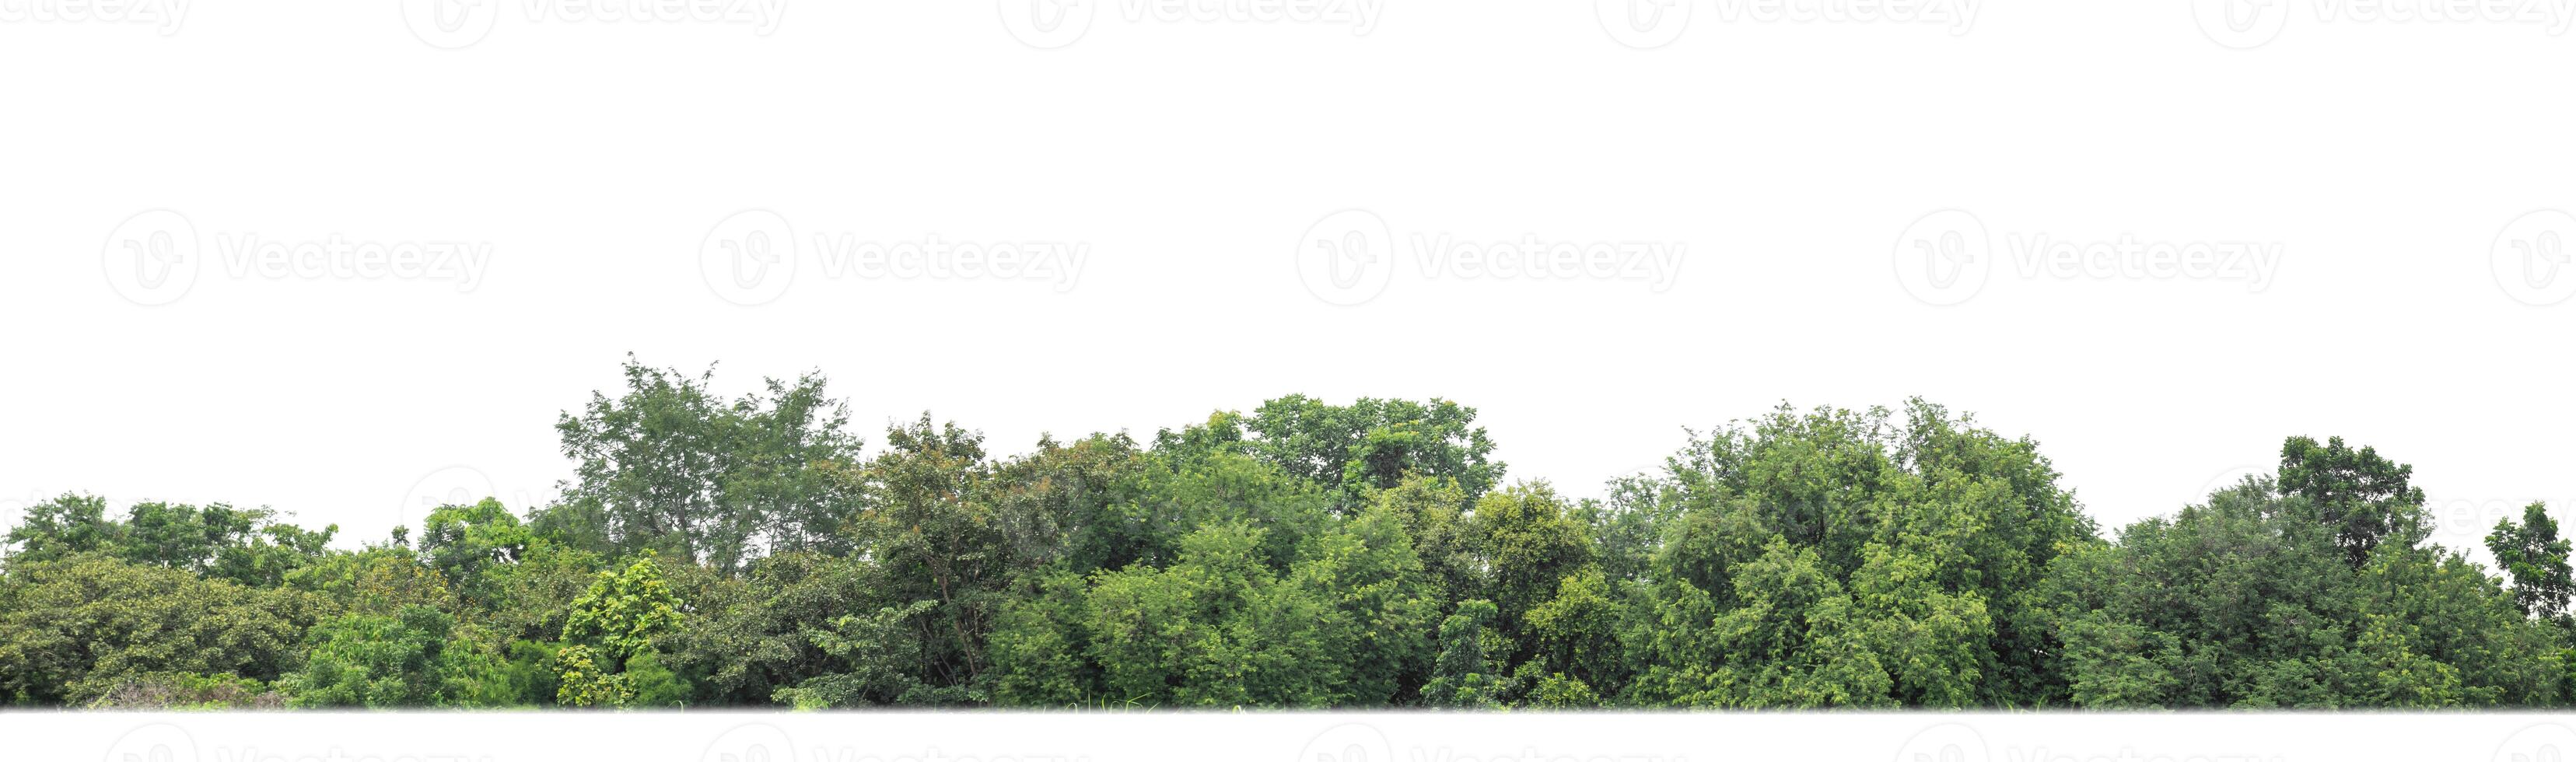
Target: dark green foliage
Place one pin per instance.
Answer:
(2534, 556)
(461, 542)
(743, 552)
(607, 658)
(80, 627)
(1842, 558)
(1467, 676)
(1372, 444)
(2249, 601)
(2363, 497)
(749, 638)
(668, 466)
(245, 546)
(375, 661)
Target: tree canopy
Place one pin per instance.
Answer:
(747, 551)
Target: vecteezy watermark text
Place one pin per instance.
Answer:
(164, 16)
(1057, 23)
(753, 256)
(1350, 256)
(763, 742)
(1363, 742)
(452, 24)
(157, 257)
(1647, 24)
(229, 754)
(459, 262)
(1946, 257)
(2243, 24)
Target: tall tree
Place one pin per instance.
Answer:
(2365, 498)
(669, 466)
(1371, 444)
(931, 526)
(1526, 546)
(2534, 556)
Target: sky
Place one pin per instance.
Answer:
(347, 264)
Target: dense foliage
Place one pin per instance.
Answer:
(741, 552)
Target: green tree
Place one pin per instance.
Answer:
(76, 628)
(243, 545)
(1467, 676)
(872, 660)
(1792, 638)
(613, 622)
(1373, 444)
(932, 528)
(374, 661)
(2250, 601)
(379, 580)
(1218, 629)
(1915, 548)
(1580, 657)
(1435, 520)
(1378, 607)
(748, 639)
(1344, 622)
(60, 528)
(2364, 497)
(464, 542)
(671, 467)
(1526, 546)
(2536, 559)
(1041, 645)
(1627, 526)
(1080, 503)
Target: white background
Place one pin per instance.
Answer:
(1283, 737)
(1195, 160)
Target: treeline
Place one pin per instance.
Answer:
(751, 552)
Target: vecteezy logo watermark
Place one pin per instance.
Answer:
(1350, 256)
(157, 742)
(2545, 742)
(452, 24)
(1945, 258)
(164, 16)
(1347, 257)
(1956, 742)
(151, 258)
(157, 257)
(1362, 742)
(2043, 754)
(2531, 259)
(2465, 522)
(451, 485)
(164, 742)
(1047, 24)
(1649, 24)
(1348, 742)
(752, 257)
(336, 754)
(762, 742)
(756, 742)
(2222, 481)
(1946, 742)
(2244, 24)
